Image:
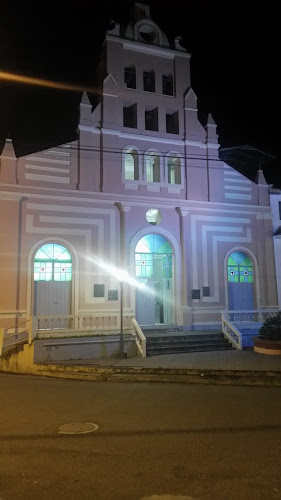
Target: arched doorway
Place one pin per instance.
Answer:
(154, 268)
(240, 279)
(52, 280)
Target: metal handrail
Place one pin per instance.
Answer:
(16, 326)
(140, 338)
(232, 333)
(5, 336)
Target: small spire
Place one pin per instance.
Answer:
(211, 129)
(85, 99)
(260, 179)
(8, 149)
(210, 120)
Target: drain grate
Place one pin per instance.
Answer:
(77, 428)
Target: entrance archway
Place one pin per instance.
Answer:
(154, 268)
(52, 280)
(240, 277)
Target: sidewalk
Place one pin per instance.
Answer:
(246, 360)
(239, 368)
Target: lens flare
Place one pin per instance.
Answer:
(39, 82)
(120, 274)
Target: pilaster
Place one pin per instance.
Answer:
(183, 221)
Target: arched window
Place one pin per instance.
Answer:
(152, 167)
(174, 170)
(131, 166)
(52, 262)
(167, 84)
(149, 81)
(151, 250)
(130, 76)
(239, 268)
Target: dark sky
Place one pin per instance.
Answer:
(234, 67)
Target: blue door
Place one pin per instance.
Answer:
(240, 282)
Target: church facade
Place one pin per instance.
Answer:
(141, 189)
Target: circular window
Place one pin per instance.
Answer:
(153, 216)
(147, 32)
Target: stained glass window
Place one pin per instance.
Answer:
(240, 268)
(52, 262)
(153, 243)
(152, 253)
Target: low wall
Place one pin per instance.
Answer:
(66, 349)
(20, 362)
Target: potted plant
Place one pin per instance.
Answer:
(268, 340)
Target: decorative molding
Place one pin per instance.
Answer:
(215, 239)
(10, 196)
(48, 169)
(148, 49)
(237, 196)
(94, 197)
(182, 211)
(47, 178)
(265, 216)
(240, 181)
(238, 188)
(47, 160)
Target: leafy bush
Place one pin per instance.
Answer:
(271, 329)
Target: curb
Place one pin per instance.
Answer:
(161, 375)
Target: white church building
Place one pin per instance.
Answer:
(142, 190)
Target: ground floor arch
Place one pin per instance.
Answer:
(240, 281)
(154, 268)
(52, 280)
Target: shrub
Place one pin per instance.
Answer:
(271, 329)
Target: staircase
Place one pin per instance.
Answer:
(175, 340)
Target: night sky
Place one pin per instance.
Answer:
(234, 68)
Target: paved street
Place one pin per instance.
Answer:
(191, 441)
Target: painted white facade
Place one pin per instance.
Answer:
(92, 195)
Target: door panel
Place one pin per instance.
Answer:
(52, 298)
(240, 296)
(145, 305)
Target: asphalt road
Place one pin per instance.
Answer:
(157, 441)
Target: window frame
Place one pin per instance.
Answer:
(166, 78)
(130, 70)
(146, 73)
(132, 150)
(148, 154)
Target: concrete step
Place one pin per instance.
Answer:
(174, 350)
(185, 338)
(183, 343)
(172, 344)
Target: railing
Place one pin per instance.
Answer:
(254, 315)
(234, 321)
(19, 335)
(231, 332)
(91, 322)
(140, 338)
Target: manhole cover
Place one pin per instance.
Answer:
(77, 428)
(167, 497)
